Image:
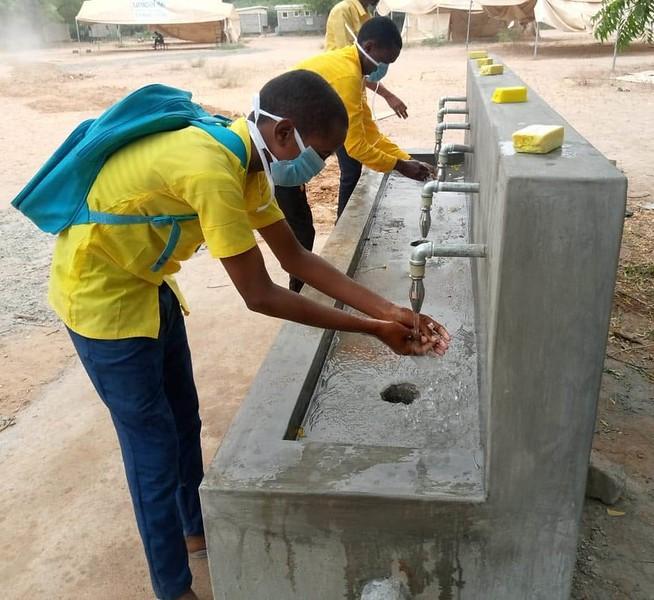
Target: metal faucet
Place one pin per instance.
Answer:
(424, 249)
(427, 196)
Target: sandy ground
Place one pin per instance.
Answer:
(67, 527)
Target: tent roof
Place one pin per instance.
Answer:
(154, 12)
(424, 7)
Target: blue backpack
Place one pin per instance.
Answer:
(56, 197)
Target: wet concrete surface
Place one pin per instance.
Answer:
(347, 405)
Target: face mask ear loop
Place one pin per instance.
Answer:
(374, 97)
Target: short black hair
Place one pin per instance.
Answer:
(306, 99)
(382, 31)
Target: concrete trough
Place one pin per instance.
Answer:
(352, 473)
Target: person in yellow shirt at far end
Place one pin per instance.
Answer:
(343, 25)
(124, 314)
(378, 45)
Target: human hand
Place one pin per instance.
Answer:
(414, 336)
(429, 329)
(399, 108)
(414, 169)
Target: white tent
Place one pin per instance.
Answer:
(456, 18)
(430, 18)
(199, 21)
(568, 15)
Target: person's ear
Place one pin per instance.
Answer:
(284, 132)
(368, 45)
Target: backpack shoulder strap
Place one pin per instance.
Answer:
(228, 138)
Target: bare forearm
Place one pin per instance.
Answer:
(377, 87)
(284, 304)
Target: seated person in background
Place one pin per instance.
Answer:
(158, 41)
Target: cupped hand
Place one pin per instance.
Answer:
(429, 329)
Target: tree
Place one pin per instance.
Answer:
(68, 9)
(630, 20)
(321, 7)
(50, 10)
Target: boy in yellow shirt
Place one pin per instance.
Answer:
(343, 25)
(125, 319)
(347, 70)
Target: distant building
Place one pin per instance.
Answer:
(254, 19)
(297, 18)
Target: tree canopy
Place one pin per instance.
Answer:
(630, 20)
(55, 10)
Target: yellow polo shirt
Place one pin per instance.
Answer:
(364, 142)
(101, 284)
(346, 12)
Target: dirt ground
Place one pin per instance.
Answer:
(67, 529)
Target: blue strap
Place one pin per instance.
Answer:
(156, 221)
(228, 138)
(214, 127)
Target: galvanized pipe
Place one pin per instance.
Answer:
(424, 249)
(450, 111)
(444, 99)
(442, 159)
(441, 127)
(427, 195)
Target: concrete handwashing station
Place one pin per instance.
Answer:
(351, 473)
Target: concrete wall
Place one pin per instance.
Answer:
(553, 225)
(290, 519)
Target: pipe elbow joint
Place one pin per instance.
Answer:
(422, 250)
(429, 189)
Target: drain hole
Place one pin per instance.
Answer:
(404, 393)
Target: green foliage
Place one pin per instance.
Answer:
(67, 9)
(37, 10)
(321, 7)
(437, 40)
(630, 19)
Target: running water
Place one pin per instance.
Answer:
(416, 327)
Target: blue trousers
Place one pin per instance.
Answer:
(148, 387)
(350, 174)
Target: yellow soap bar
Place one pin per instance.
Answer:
(484, 61)
(477, 54)
(538, 139)
(491, 70)
(503, 95)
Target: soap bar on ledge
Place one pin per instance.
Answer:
(484, 61)
(491, 70)
(538, 139)
(477, 54)
(504, 95)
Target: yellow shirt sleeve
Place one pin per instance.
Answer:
(219, 200)
(381, 142)
(336, 35)
(363, 136)
(263, 209)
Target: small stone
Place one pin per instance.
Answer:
(606, 480)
